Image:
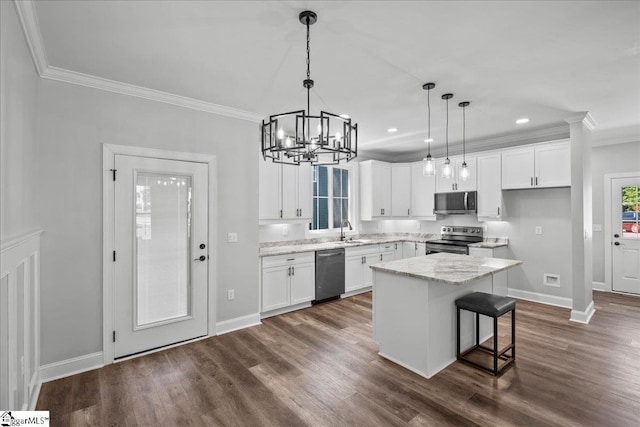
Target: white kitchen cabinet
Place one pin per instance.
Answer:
(284, 192)
(391, 251)
(358, 275)
(412, 249)
(539, 166)
(375, 190)
(422, 190)
(455, 183)
(400, 190)
(489, 202)
(287, 280)
(499, 252)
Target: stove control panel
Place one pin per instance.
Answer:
(457, 230)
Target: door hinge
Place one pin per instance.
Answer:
(114, 256)
(114, 336)
(114, 173)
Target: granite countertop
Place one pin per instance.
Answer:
(449, 268)
(491, 243)
(312, 245)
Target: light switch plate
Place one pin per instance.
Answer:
(232, 237)
(538, 229)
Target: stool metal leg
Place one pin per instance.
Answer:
(477, 328)
(513, 333)
(457, 332)
(495, 346)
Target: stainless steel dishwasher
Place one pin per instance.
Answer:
(329, 274)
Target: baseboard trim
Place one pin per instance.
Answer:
(242, 322)
(65, 368)
(284, 310)
(600, 286)
(35, 394)
(356, 292)
(541, 298)
(583, 316)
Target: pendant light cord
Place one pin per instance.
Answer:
(447, 129)
(464, 122)
(429, 123)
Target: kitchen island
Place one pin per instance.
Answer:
(414, 313)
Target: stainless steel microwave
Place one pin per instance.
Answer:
(462, 202)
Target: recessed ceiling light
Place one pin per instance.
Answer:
(522, 121)
(392, 130)
(428, 140)
(345, 116)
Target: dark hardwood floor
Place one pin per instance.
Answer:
(320, 366)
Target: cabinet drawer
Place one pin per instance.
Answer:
(278, 260)
(362, 250)
(482, 252)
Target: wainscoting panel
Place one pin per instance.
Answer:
(20, 321)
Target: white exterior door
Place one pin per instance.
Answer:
(625, 230)
(161, 253)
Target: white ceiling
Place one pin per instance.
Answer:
(542, 60)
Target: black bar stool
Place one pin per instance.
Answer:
(491, 306)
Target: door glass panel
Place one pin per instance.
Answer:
(630, 212)
(163, 233)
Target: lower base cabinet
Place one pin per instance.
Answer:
(499, 252)
(411, 249)
(288, 280)
(357, 261)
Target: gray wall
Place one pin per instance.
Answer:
(74, 122)
(18, 127)
(608, 159)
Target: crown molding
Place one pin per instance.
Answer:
(73, 77)
(31, 28)
(584, 117)
(29, 21)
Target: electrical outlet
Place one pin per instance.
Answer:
(232, 237)
(231, 294)
(538, 229)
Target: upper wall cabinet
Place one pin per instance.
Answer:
(400, 190)
(284, 192)
(489, 187)
(455, 183)
(539, 166)
(375, 190)
(422, 191)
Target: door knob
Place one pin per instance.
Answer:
(200, 258)
(202, 246)
(617, 243)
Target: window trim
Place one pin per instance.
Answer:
(352, 204)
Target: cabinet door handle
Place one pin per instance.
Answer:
(536, 181)
(498, 210)
(289, 271)
(293, 271)
(280, 213)
(396, 246)
(365, 259)
(408, 210)
(380, 257)
(532, 181)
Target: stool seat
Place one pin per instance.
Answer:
(486, 304)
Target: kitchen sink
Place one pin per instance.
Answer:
(355, 241)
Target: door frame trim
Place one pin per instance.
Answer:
(608, 200)
(109, 151)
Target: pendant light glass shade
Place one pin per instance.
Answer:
(428, 164)
(464, 169)
(447, 172)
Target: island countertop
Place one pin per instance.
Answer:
(453, 269)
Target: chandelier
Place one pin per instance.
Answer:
(299, 137)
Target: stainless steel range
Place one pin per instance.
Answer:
(455, 239)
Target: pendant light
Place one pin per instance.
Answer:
(428, 165)
(447, 171)
(289, 138)
(464, 169)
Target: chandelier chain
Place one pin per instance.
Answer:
(308, 52)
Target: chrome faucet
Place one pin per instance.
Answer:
(342, 223)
